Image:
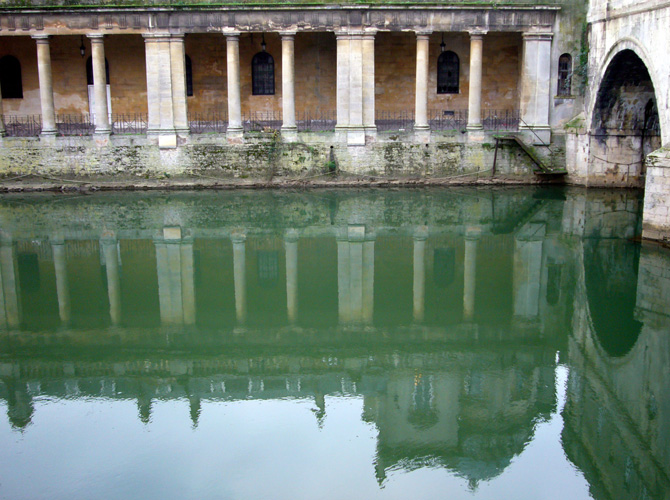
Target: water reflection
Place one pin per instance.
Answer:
(445, 313)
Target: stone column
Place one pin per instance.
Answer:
(288, 128)
(102, 125)
(369, 83)
(11, 292)
(160, 90)
(46, 85)
(239, 275)
(62, 285)
(356, 133)
(470, 273)
(235, 130)
(110, 250)
(342, 80)
(291, 245)
(536, 87)
(419, 274)
(421, 101)
(475, 92)
(178, 70)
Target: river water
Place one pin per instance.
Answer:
(460, 343)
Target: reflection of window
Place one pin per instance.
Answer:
(553, 283)
(422, 414)
(447, 73)
(189, 76)
(10, 78)
(89, 70)
(29, 272)
(444, 262)
(268, 267)
(565, 75)
(263, 74)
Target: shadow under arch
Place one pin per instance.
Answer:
(610, 275)
(625, 125)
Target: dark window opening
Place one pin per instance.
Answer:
(263, 74)
(448, 69)
(10, 78)
(89, 70)
(565, 75)
(189, 77)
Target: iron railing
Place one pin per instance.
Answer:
(394, 120)
(22, 126)
(74, 125)
(213, 122)
(446, 119)
(134, 123)
(316, 121)
(497, 119)
(260, 121)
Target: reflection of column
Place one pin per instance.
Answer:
(10, 285)
(470, 273)
(62, 286)
(234, 101)
(99, 84)
(355, 273)
(174, 262)
(291, 243)
(475, 93)
(111, 252)
(419, 275)
(239, 274)
(46, 85)
(528, 270)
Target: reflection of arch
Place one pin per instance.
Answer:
(634, 46)
(611, 293)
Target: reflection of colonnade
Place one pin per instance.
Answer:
(175, 272)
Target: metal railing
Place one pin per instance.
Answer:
(22, 126)
(213, 122)
(394, 120)
(445, 119)
(259, 121)
(134, 123)
(500, 119)
(74, 125)
(316, 121)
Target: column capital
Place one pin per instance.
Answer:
(423, 34)
(156, 37)
(237, 238)
(291, 236)
(41, 38)
(477, 33)
(288, 35)
(232, 35)
(95, 37)
(369, 33)
(538, 36)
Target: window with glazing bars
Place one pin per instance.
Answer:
(447, 73)
(263, 74)
(565, 75)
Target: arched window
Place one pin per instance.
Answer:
(565, 75)
(189, 77)
(10, 78)
(263, 74)
(89, 70)
(447, 73)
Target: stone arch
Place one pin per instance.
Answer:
(624, 116)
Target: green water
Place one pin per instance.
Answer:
(461, 343)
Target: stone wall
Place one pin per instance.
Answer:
(656, 221)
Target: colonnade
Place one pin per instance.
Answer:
(166, 88)
(355, 275)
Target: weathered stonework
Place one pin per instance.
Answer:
(656, 220)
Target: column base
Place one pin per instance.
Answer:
(537, 135)
(422, 133)
(48, 133)
(289, 134)
(235, 135)
(356, 136)
(475, 132)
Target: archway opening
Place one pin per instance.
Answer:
(625, 126)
